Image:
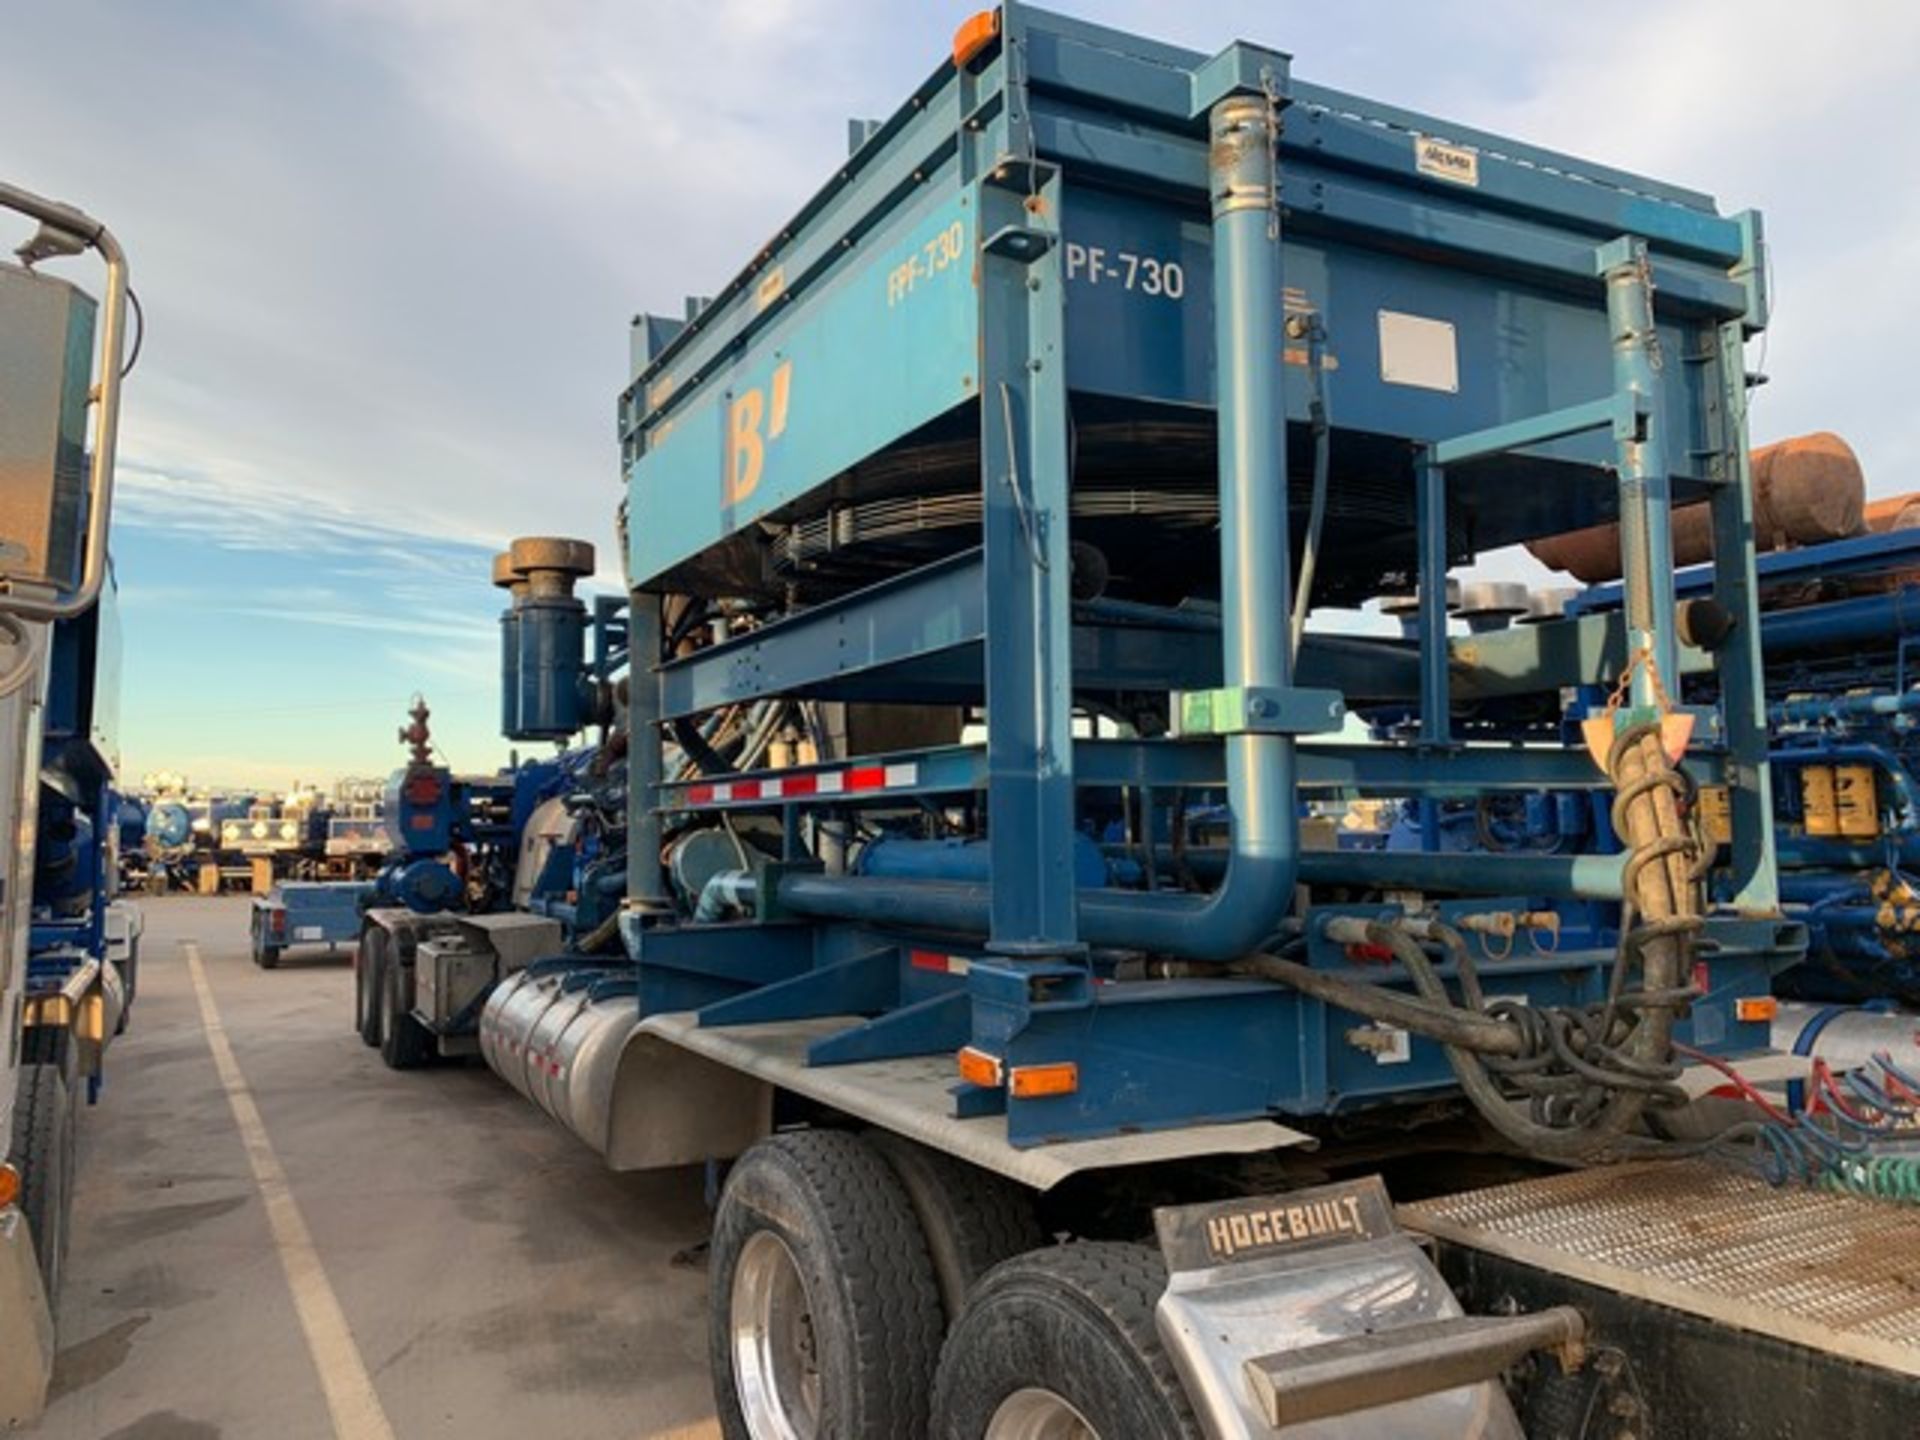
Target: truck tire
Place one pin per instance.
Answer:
(1062, 1341)
(405, 1044)
(369, 983)
(971, 1218)
(50, 1045)
(825, 1315)
(43, 1150)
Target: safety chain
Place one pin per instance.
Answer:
(1643, 657)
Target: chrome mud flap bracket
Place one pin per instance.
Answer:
(1312, 1310)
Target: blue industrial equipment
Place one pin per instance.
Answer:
(1011, 318)
(981, 516)
(169, 824)
(1839, 633)
(548, 690)
(484, 871)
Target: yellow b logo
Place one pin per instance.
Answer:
(746, 450)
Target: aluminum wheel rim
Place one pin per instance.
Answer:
(776, 1368)
(1038, 1414)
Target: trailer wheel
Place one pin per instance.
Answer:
(43, 1150)
(369, 982)
(971, 1218)
(405, 1044)
(265, 954)
(1062, 1342)
(825, 1317)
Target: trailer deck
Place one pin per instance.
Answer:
(1788, 1310)
(914, 1097)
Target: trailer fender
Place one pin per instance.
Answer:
(668, 1106)
(576, 1050)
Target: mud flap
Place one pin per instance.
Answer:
(1314, 1306)
(26, 1326)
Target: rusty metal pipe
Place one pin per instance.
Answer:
(1805, 490)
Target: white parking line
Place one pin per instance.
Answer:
(351, 1399)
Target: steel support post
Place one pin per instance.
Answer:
(1743, 697)
(1024, 480)
(1430, 485)
(646, 890)
(1646, 544)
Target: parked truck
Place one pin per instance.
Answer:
(69, 947)
(1002, 482)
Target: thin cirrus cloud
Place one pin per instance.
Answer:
(388, 250)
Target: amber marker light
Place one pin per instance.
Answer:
(1032, 1082)
(979, 1068)
(978, 32)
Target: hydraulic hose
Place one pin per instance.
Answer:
(1447, 1022)
(1589, 1076)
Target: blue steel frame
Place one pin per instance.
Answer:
(723, 397)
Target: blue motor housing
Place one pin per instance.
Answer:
(425, 887)
(543, 639)
(549, 669)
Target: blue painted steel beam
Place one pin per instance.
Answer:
(1890, 551)
(1024, 483)
(1094, 66)
(927, 611)
(1349, 769)
(1324, 202)
(1619, 413)
(1430, 494)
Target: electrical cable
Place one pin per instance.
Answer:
(1315, 334)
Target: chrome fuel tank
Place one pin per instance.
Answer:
(555, 1032)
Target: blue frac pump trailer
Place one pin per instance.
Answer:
(973, 738)
(532, 858)
(67, 947)
(541, 836)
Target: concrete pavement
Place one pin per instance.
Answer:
(488, 1277)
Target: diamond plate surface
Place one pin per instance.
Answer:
(1834, 1272)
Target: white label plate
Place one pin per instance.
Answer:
(1457, 163)
(1420, 352)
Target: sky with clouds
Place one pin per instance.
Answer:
(388, 250)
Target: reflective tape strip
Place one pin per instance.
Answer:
(943, 964)
(859, 779)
